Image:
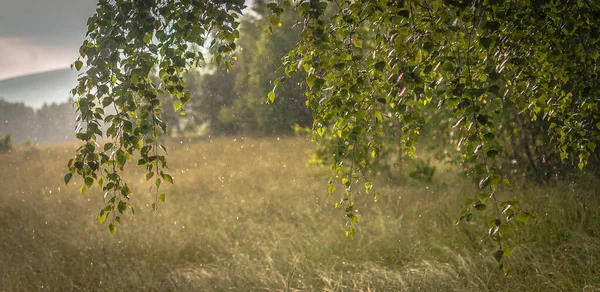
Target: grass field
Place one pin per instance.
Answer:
(244, 213)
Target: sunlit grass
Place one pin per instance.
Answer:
(244, 213)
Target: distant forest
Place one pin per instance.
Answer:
(49, 124)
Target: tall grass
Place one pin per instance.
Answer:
(244, 213)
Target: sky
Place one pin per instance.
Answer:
(41, 35)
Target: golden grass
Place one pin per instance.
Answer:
(245, 212)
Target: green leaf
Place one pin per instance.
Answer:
(346, 181)
(121, 159)
(350, 232)
(591, 146)
(149, 175)
(379, 66)
(310, 80)
(489, 136)
(368, 187)
(168, 178)
(378, 118)
(492, 25)
(524, 217)
(494, 223)
(376, 196)
(68, 177)
(498, 255)
(483, 197)
(321, 131)
(469, 202)
(492, 153)
(563, 155)
(480, 206)
(330, 189)
(495, 181)
(353, 218)
(161, 197)
(485, 42)
(274, 20)
(177, 105)
(78, 65)
(319, 84)
(112, 228)
(504, 228)
(89, 182)
(102, 217)
(271, 96)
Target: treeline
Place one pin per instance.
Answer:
(22, 124)
(234, 102)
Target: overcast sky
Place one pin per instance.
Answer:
(41, 35)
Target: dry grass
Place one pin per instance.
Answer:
(245, 212)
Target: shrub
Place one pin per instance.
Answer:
(5, 144)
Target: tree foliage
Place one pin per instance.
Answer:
(233, 101)
(376, 64)
(374, 71)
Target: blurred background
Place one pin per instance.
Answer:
(247, 212)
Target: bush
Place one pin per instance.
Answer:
(422, 170)
(5, 144)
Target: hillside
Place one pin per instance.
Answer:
(36, 89)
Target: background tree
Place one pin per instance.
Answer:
(257, 81)
(49, 124)
(54, 123)
(17, 120)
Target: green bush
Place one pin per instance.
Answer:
(6, 144)
(422, 170)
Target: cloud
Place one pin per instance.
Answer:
(41, 35)
(29, 55)
(66, 18)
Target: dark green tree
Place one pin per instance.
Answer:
(290, 108)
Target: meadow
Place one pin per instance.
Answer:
(248, 214)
